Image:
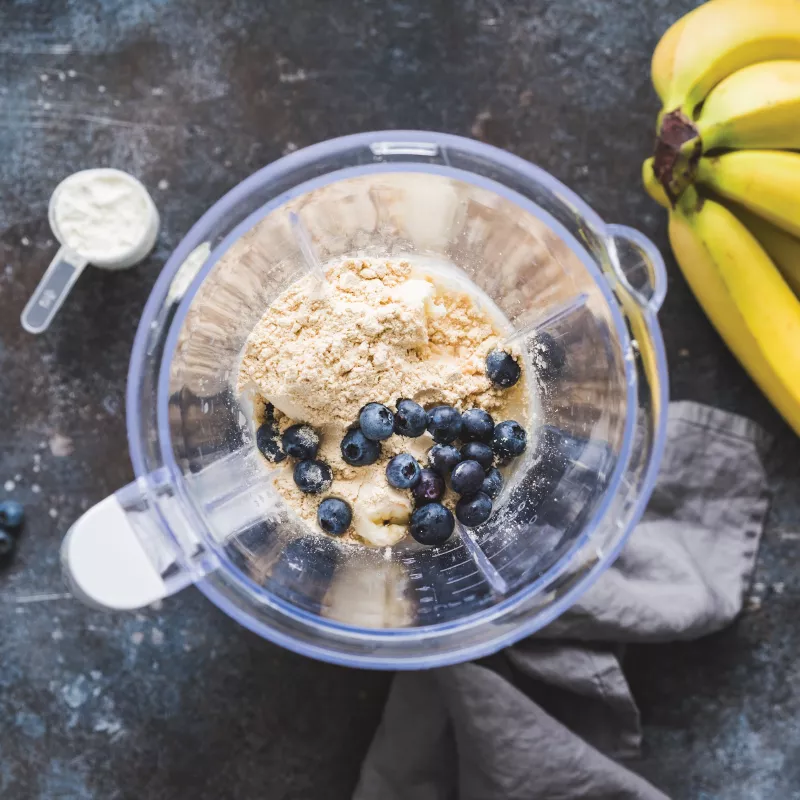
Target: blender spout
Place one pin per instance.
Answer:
(116, 555)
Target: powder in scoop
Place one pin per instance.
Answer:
(102, 214)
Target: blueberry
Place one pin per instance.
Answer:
(467, 477)
(376, 421)
(478, 451)
(550, 355)
(432, 524)
(509, 439)
(430, 487)
(269, 412)
(300, 441)
(411, 419)
(12, 515)
(334, 516)
(402, 471)
(478, 426)
(268, 442)
(443, 457)
(502, 369)
(7, 545)
(444, 424)
(313, 477)
(474, 509)
(357, 450)
(492, 483)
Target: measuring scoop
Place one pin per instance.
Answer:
(100, 216)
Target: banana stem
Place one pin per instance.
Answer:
(678, 149)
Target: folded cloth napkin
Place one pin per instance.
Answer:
(552, 716)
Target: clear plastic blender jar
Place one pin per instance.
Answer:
(202, 509)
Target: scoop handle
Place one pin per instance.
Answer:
(52, 290)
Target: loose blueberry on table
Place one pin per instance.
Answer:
(444, 424)
(300, 441)
(467, 477)
(403, 471)
(473, 510)
(313, 477)
(12, 515)
(376, 421)
(502, 369)
(334, 516)
(358, 450)
(432, 524)
(410, 419)
(430, 487)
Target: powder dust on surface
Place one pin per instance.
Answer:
(376, 331)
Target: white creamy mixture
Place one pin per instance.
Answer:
(103, 214)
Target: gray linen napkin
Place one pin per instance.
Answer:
(545, 719)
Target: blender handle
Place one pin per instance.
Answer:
(115, 556)
(638, 265)
(640, 286)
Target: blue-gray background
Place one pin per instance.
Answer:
(179, 702)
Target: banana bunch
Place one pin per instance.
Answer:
(728, 75)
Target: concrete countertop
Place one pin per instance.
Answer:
(178, 701)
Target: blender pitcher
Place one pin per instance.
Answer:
(202, 509)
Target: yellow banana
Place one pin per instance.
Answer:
(767, 182)
(717, 39)
(743, 295)
(652, 185)
(663, 63)
(781, 247)
(757, 107)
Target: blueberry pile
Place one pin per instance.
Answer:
(12, 516)
(300, 442)
(312, 476)
(471, 469)
(431, 522)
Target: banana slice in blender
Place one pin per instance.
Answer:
(381, 515)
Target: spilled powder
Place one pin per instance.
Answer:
(377, 331)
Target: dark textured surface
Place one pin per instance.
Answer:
(179, 702)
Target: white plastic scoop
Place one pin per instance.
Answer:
(101, 216)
